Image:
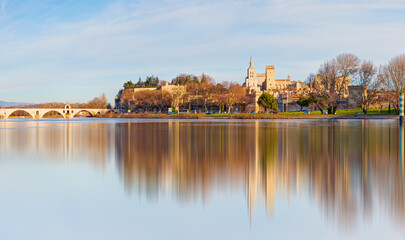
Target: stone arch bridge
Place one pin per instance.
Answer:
(66, 112)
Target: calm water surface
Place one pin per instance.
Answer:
(168, 179)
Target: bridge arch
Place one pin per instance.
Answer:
(83, 110)
(23, 110)
(38, 113)
(53, 110)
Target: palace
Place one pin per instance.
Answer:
(266, 82)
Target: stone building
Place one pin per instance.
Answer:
(174, 90)
(258, 83)
(356, 93)
(171, 88)
(315, 84)
(267, 82)
(288, 103)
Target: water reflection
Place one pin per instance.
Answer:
(351, 170)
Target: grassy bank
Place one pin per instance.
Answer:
(341, 113)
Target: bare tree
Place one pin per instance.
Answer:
(178, 97)
(327, 86)
(192, 92)
(311, 80)
(234, 94)
(333, 78)
(206, 91)
(98, 102)
(366, 78)
(392, 75)
(347, 65)
(127, 99)
(206, 79)
(162, 83)
(220, 95)
(163, 99)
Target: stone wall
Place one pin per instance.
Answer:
(251, 102)
(355, 95)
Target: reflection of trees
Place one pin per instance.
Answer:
(188, 160)
(345, 168)
(56, 140)
(348, 168)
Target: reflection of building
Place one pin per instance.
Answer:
(267, 159)
(346, 170)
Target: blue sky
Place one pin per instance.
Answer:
(76, 50)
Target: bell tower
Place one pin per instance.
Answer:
(251, 76)
(251, 70)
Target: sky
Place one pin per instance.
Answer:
(58, 51)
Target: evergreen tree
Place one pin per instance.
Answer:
(267, 101)
(129, 85)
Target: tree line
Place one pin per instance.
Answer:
(199, 93)
(380, 83)
(150, 82)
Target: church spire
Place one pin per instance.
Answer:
(250, 60)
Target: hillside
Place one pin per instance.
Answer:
(5, 103)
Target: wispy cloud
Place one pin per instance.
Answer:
(125, 40)
(3, 6)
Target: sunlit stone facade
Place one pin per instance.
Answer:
(265, 82)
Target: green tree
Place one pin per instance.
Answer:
(139, 84)
(129, 85)
(267, 101)
(183, 79)
(319, 101)
(303, 102)
(151, 82)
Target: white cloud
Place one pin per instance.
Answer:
(128, 40)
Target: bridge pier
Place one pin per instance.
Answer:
(68, 115)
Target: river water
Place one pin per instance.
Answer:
(196, 179)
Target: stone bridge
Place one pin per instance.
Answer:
(38, 113)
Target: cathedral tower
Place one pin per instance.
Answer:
(251, 76)
(251, 70)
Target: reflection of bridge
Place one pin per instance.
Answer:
(38, 113)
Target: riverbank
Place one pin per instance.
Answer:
(373, 113)
(248, 116)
